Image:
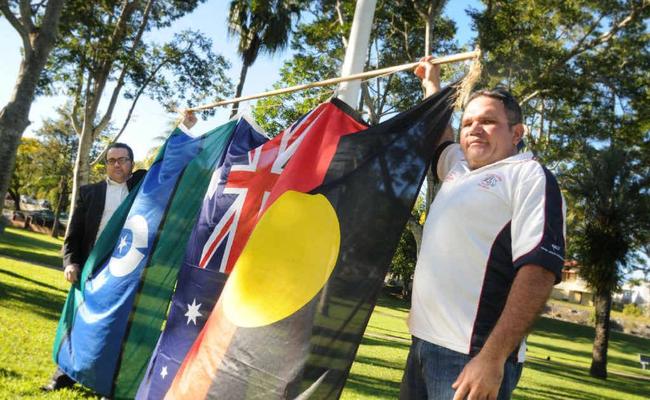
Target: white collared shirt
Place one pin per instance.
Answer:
(115, 194)
(483, 225)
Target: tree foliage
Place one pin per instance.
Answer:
(319, 46)
(403, 263)
(44, 163)
(24, 175)
(103, 54)
(260, 27)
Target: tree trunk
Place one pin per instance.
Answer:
(416, 230)
(95, 85)
(14, 117)
(59, 205)
(240, 88)
(603, 305)
(15, 195)
(81, 172)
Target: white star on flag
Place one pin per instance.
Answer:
(163, 372)
(122, 243)
(193, 312)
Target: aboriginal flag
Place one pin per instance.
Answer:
(293, 311)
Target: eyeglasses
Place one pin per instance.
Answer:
(120, 161)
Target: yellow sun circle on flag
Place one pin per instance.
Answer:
(288, 259)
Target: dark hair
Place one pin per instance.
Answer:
(513, 110)
(118, 145)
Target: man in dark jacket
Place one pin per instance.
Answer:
(95, 205)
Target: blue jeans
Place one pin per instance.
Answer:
(431, 369)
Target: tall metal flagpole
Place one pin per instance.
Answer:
(355, 55)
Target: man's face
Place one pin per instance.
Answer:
(118, 164)
(485, 135)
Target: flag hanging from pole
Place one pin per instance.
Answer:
(293, 312)
(97, 313)
(231, 208)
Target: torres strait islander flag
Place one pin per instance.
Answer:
(232, 206)
(98, 313)
(294, 309)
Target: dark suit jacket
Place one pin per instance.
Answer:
(86, 217)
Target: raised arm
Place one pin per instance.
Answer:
(430, 76)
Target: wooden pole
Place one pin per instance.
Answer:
(364, 75)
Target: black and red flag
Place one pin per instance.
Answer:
(292, 314)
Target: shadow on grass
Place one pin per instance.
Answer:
(35, 282)
(34, 299)
(6, 373)
(561, 330)
(390, 300)
(29, 249)
(372, 388)
(378, 362)
(388, 342)
(619, 385)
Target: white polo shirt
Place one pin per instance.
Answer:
(482, 226)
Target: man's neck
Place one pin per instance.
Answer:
(114, 182)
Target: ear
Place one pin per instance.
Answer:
(518, 133)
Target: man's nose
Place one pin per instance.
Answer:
(475, 129)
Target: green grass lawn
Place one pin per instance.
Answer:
(31, 246)
(377, 370)
(31, 298)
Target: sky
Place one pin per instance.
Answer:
(150, 119)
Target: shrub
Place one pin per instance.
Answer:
(632, 310)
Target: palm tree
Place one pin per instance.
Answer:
(609, 188)
(261, 25)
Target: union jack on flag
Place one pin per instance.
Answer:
(244, 185)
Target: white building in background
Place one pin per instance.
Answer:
(634, 294)
(573, 288)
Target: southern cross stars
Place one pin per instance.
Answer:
(193, 312)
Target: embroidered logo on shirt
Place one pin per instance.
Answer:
(450, 176)
(490, 181)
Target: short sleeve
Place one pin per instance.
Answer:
(538, 223)
(447, 155)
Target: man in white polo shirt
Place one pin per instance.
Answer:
(492, 249)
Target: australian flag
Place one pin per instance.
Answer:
(186, 317)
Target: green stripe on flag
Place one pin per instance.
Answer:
(159, 278)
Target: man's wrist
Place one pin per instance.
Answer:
(430, 88)
(496, 354)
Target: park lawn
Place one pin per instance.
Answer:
(31, 246)
(378, 367)
(32, 296)
(31, 299)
